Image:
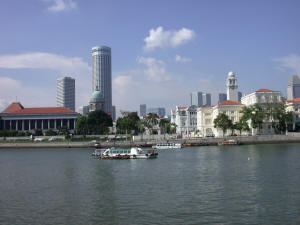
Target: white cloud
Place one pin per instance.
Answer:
(62, 5)
(179, 58)
(65, 66)
(291, 62)
(155, 69)
(160, 38)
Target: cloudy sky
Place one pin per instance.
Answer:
(161, 50)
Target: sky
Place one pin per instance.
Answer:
(162, 50)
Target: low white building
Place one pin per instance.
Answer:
(264, 98)
(185, 119)
(207, 115)
(294, 107)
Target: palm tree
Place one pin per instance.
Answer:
(152, 120)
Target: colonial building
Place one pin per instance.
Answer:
(16, 117)
(96, 102)
(264, 98)
(294, 107)
(185, 119)
(207, 115)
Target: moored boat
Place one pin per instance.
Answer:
(167, 145)
(133, 153)
(228, 142)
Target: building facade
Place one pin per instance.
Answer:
(197, 99)
(293, 88)
(185, 119)
(65, 93)
(84, 110)
(207, 115)
(159, 111)
(232, 87)
(143, 110)
(16, 117)
(264, 98)
(206, 98)
(222, 97)
(97, 102)
(101, 70)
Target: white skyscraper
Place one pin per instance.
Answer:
(65, 93)
(101, 70)
(232, 87)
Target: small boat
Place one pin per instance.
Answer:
(228, 142)
(167, 146)
(98, 152)
(133, 153)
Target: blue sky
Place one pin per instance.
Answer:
(161, 50)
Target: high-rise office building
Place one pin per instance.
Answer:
(222, 97)
(113, 113)
(293, 88)
(240, 96)
(206, 98)
(159, 111)
(143, 110)
(197, 99)
(84, 110)
(101, 70)
(232, 87)
(65, 93)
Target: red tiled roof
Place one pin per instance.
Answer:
(264, 90)
(229, 102)
(294, 100)
(16, 106)
(182, 107)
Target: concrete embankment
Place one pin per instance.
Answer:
(263, 139)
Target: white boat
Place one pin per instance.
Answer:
(167, 146)
(133, 153)
(98, 152)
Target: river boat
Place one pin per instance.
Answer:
(98, 152)
(228, 142)
(167, 146)
(132, 153)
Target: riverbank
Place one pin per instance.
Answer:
(244, 140)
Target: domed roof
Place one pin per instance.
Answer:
(231, 74)
(97, 94)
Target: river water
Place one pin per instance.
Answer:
(253, 184)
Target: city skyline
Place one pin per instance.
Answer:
(156, 60)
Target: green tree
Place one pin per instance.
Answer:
(163, 124)
(279, 117)
(222, 121)
(50, 132)
(99, 122)
(152, 120)
(128, 123)
(256, 114)
(82, 125)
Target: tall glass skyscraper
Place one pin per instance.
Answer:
(101, 70)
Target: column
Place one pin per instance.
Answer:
(68, 124)
(17, 125)
(35, 124)
(29, 125)
(10, 124)
(42, 126)
(55, 124)
(48, 124)
(61, 123)
(23, 124)
(74, 123)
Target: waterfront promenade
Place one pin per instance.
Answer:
(244, 140)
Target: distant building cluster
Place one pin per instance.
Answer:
(198, 118)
